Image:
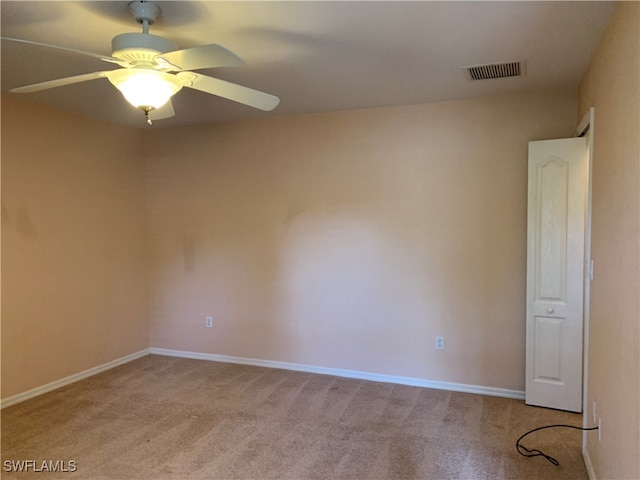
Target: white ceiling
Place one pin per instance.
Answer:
(315, 56)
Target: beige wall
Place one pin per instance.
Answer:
(351, 239)
(73, 245)
(612, 86)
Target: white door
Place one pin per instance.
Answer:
(555, 267)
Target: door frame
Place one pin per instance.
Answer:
(585, 128)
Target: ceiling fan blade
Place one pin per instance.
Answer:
(165, 111)
(105, 58)
(203, 56)
(36, 87)
(231, 91)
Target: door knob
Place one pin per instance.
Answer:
(550, 310)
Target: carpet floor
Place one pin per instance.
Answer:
(164, 418)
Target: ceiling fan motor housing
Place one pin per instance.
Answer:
(140, 48)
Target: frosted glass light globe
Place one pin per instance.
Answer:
(145, 88)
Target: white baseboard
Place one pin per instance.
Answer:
(338, 372)
(588, 464)
(21, 397)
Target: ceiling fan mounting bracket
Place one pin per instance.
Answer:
(144, 11)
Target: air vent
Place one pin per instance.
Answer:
(495, 70)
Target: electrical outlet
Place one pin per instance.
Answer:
(440, 343)
(208, 321)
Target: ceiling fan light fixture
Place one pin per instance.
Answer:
(146, 60)
(144, 88)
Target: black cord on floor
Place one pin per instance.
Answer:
(537, 453)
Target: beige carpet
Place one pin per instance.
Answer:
(168, 418)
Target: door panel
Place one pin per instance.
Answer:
(555, 256)
(547, 345)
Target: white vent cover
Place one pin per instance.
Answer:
(495, 70)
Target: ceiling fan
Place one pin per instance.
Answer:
(153, 69)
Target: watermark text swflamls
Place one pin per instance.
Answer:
(40, 466)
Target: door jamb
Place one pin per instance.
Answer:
(585, 128)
